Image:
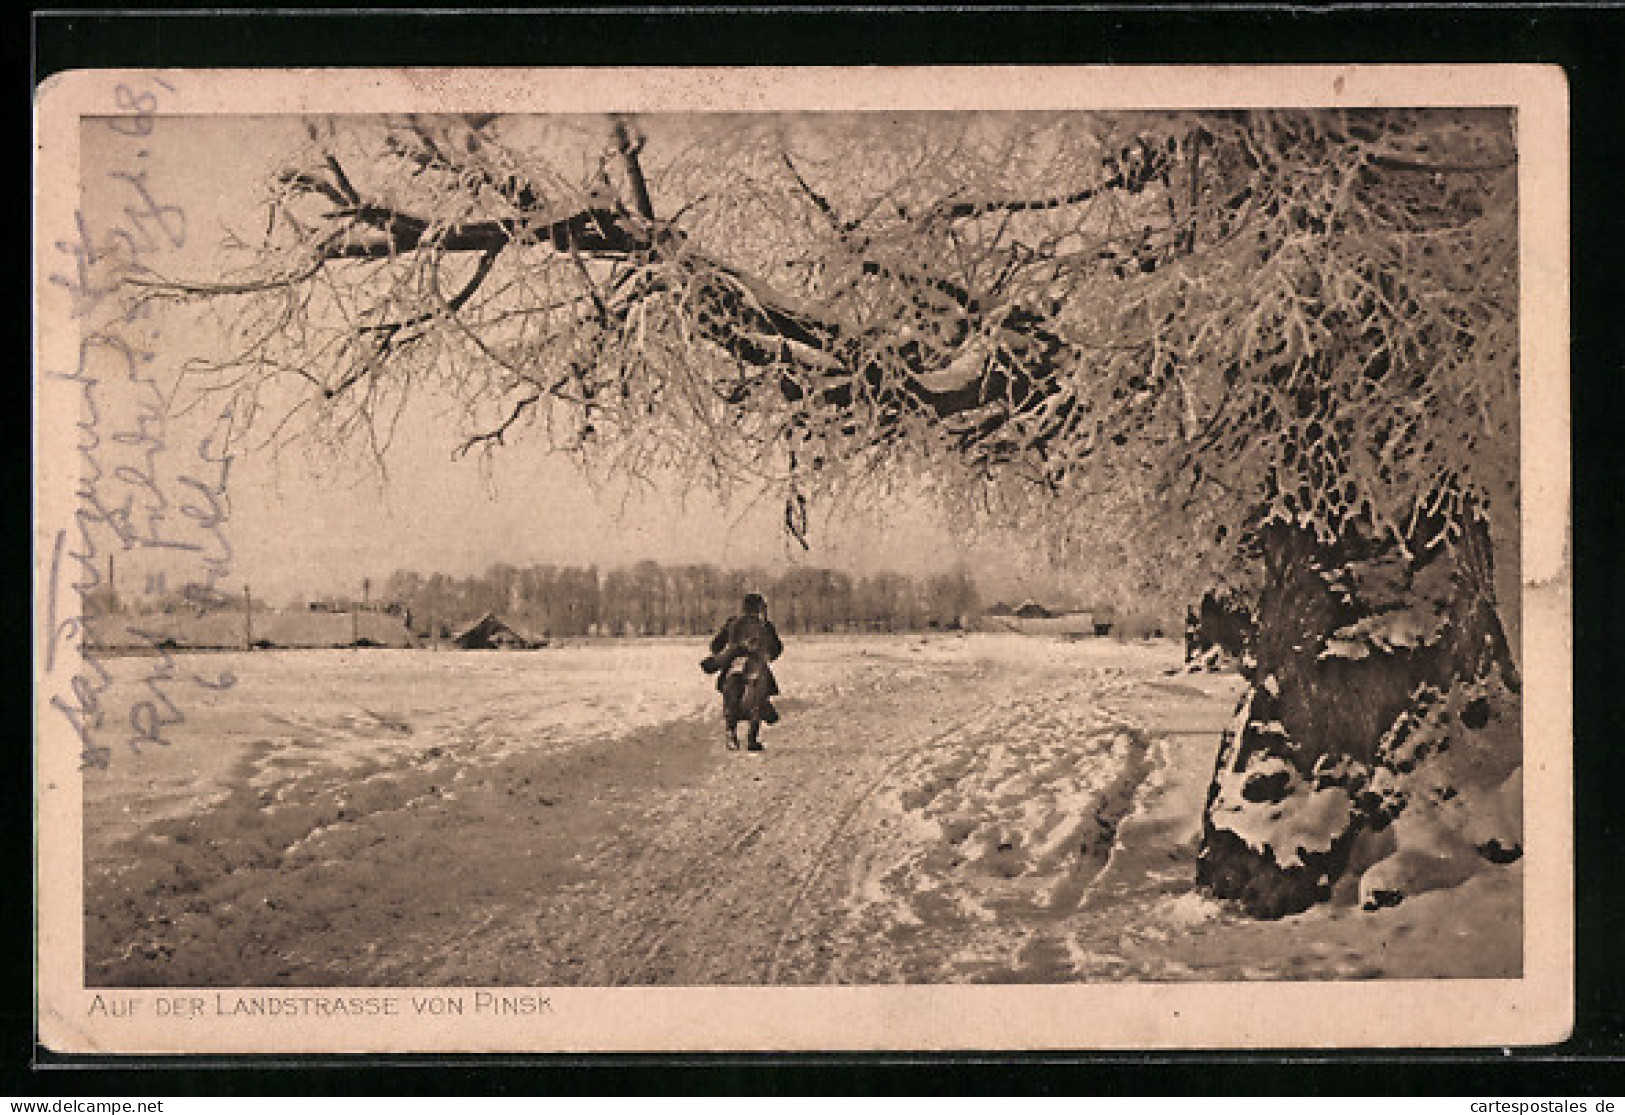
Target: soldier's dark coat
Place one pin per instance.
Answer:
(745, 636)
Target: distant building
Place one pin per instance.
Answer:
(1033, 618)
(490, 633)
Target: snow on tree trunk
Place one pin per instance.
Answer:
(1380, 733)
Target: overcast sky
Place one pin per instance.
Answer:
(300, 527)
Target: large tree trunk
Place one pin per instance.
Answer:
(1378, 745)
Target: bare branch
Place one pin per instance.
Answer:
(1396, 162)
(389, 331)
(820, 202)
(495, 436)
(1130, 172)
(345, 189)
(162, 287)
(629, 152)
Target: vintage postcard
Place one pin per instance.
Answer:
(829, 559)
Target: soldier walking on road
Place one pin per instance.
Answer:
(740, 654)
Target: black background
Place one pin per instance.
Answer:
(1588, 42)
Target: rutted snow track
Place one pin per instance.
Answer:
(960, 857)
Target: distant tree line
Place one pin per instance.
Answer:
(653, 599)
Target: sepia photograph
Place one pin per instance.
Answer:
(827, 559)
